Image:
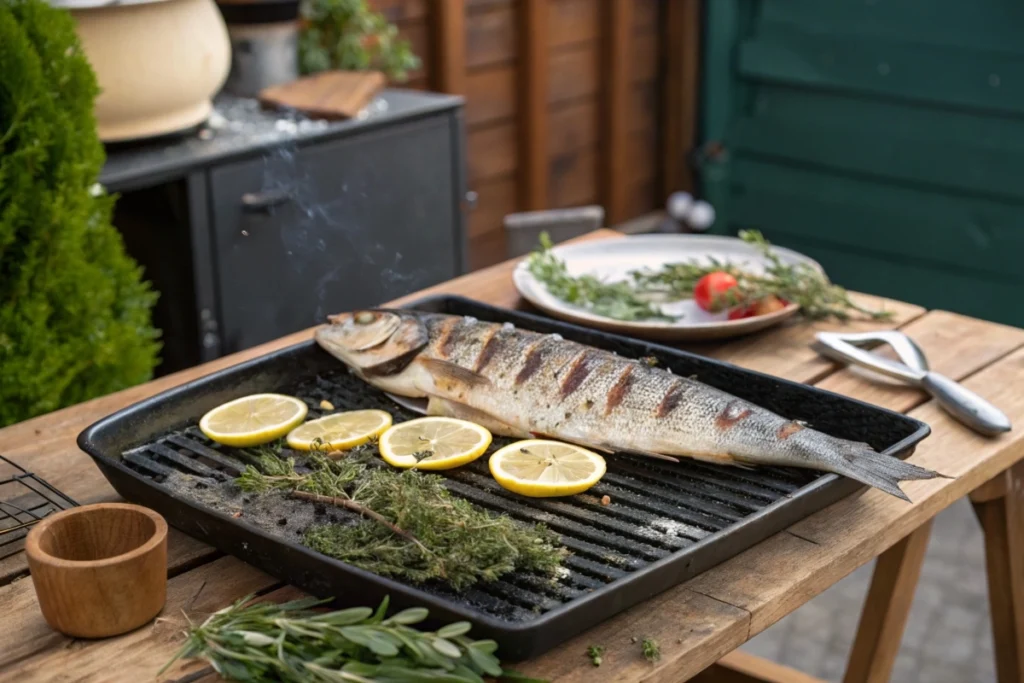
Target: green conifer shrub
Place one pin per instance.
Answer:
(75, 315)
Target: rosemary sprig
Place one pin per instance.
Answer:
(413, 527)
(292, 642)
(799, 283)
(618, 300)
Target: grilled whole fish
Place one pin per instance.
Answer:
(520, 383)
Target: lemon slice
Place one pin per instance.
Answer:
(544, 469)
(339, 432)
(253, 420)
(433, 443)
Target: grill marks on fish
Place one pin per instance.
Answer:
(492, 342)
(670, 401)
(789, 429)
(579, 369)
(619, 390)
(446, 337)
(733, 413)
(534, 358)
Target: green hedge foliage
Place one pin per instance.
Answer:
(75, 314)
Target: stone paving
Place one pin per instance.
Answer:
(948, 638)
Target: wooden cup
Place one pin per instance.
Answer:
(99, 570)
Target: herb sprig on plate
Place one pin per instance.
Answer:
(617, 300)
(636, 299)
(799, 283)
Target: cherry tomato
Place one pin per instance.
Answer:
(741, 312)
(763, 306)
(710, 288)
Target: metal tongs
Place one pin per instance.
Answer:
(961, 403)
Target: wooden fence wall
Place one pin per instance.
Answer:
(568, 102)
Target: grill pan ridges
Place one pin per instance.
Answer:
(665, 524)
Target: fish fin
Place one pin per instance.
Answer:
(579, 442)
(649, 454)
(885, 472)
(414, 405)
(608, 450)
(446, 408)
(444, 370)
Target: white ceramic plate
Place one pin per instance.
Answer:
(614, 259)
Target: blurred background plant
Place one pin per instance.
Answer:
(75, 317)
(347, 34)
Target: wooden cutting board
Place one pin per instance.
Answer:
(329, 94)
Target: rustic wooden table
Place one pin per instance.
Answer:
(697, 623)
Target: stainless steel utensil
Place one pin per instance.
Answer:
(958, 401)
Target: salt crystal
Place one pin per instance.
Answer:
(216, 120)
(284, 126)
(671, 526)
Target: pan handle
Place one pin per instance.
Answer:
(965, 405)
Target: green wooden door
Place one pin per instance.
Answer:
(884, 138)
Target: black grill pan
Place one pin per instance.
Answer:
(665, 524)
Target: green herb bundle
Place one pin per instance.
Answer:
(635, 299)
(413, 528)
(292, 642)
(799, 283)
(618, 300)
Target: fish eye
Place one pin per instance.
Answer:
(364, 318)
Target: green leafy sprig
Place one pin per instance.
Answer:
(634, 299)
(799, 283)
(294, 643)
(618, 300)
(413, 527)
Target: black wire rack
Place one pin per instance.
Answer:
(25, 500)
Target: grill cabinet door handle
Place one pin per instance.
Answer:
(261, 201)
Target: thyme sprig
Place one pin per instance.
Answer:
(634, 299)
(292, 642)
(618, 300)
(800, 283)
(413, 527)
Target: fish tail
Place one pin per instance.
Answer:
(885, 472)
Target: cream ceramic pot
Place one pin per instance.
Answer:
(158, 62)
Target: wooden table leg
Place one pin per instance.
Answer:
(743, 667)
(999, 506)
(886, 609)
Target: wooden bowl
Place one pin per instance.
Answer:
(99, 570)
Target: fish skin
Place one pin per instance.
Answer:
(548, 386)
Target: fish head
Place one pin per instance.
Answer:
(374, 342)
